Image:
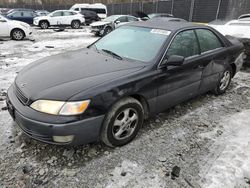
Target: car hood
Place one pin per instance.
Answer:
(62, 76)
(99, 23)
(19, 22)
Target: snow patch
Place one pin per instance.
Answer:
(131, 174)
(232, 166)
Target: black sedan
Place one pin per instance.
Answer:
(104, 92)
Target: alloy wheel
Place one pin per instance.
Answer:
(125, 124)
(225, 80)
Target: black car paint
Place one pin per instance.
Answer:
(105, 80)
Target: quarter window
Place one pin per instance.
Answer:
(208, 40)
(184, 44)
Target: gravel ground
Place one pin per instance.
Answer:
(174, 149)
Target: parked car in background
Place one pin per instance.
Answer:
(99, 8)
(110, 23)
(24, 15)
(3, 11)
(41, 12)
(60, 18)
(105, 92)
(14, 29)
(169, 19)
(90, 16)
(144, 17)
(244, 16)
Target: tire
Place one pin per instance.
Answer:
(107, 30)
(17, 34)
(75, 24)
(44, 24)
(224, 81)
(122, 122)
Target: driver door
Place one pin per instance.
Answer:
(179, 83)
(4, 28)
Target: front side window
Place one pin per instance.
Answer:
(122, 19)
(16, 14)
(208, 40)
(184, 44)
(136, 43)
(57, 14)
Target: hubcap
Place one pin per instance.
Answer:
(18, 35)
(125, 124)
(76, 24)
(44, 25)
(225, 80)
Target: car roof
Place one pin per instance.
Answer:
(167, 25)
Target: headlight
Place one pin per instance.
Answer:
(60, 107)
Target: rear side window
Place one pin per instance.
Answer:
(208, 40)
(132, 19)
(67, 13)
(27, 14)
(184, 44)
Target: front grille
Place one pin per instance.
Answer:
(21, 96)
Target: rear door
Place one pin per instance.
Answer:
(214, 56)
(68, 17)
(176, 84)
(57, 18)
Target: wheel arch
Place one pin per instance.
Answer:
(15, 28)
(43, 21)
(234, 69)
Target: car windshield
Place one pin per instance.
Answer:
(111, 18)
(136, 43)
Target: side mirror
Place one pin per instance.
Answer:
(117, 22)
(174, 60)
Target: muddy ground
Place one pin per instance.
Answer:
(182, 138)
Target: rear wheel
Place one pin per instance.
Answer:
(75, 24)
(224, 81)
(17, 34)
(122, 123)
(44, 24)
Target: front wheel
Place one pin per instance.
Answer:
(224, 81)
(44, 24)
(122, 123)
(107, 30)
(75, 24)
(17, 34)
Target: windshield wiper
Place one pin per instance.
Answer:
(113, 54)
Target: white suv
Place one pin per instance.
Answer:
(60, 17)
(14, 29)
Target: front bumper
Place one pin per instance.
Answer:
(84, 131)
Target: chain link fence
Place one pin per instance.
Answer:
(191, 10)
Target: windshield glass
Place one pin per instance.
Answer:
(111, 18)
(137, 43)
